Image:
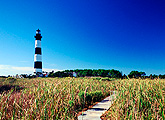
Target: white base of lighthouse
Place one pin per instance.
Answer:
(37, 70)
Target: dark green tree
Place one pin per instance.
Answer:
(136, 74)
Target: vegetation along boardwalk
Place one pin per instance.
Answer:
(96, 111)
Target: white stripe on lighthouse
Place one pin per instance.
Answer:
(38, 57)
(38, 43)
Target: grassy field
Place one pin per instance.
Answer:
(50, 98)
(63, 98)
(138, 99)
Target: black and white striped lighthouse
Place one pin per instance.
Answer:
(38, 54)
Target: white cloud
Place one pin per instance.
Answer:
(4, 67)
(22, 68)
(13, 70)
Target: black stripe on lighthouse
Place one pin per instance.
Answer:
(38, 50)
(38, 64)
(38, 36)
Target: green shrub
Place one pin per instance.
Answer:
(10, 80)
(91, 97)
(97, 95)
(105, 79)
(112, 79)
(96, 78)
(88, 98)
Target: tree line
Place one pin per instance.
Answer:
(102, 73)
(87, 72)
(96, 73)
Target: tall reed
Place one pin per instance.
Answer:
(139, 99)
(49, 98)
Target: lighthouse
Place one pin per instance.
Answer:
(38, 54)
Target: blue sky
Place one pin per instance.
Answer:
(124, 35)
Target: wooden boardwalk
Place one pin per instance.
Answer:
(96, 111)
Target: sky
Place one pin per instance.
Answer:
(124, 35)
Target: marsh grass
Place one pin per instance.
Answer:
(138, 99)
(63, 98)
(49, 98)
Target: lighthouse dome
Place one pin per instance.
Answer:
(38, 31)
